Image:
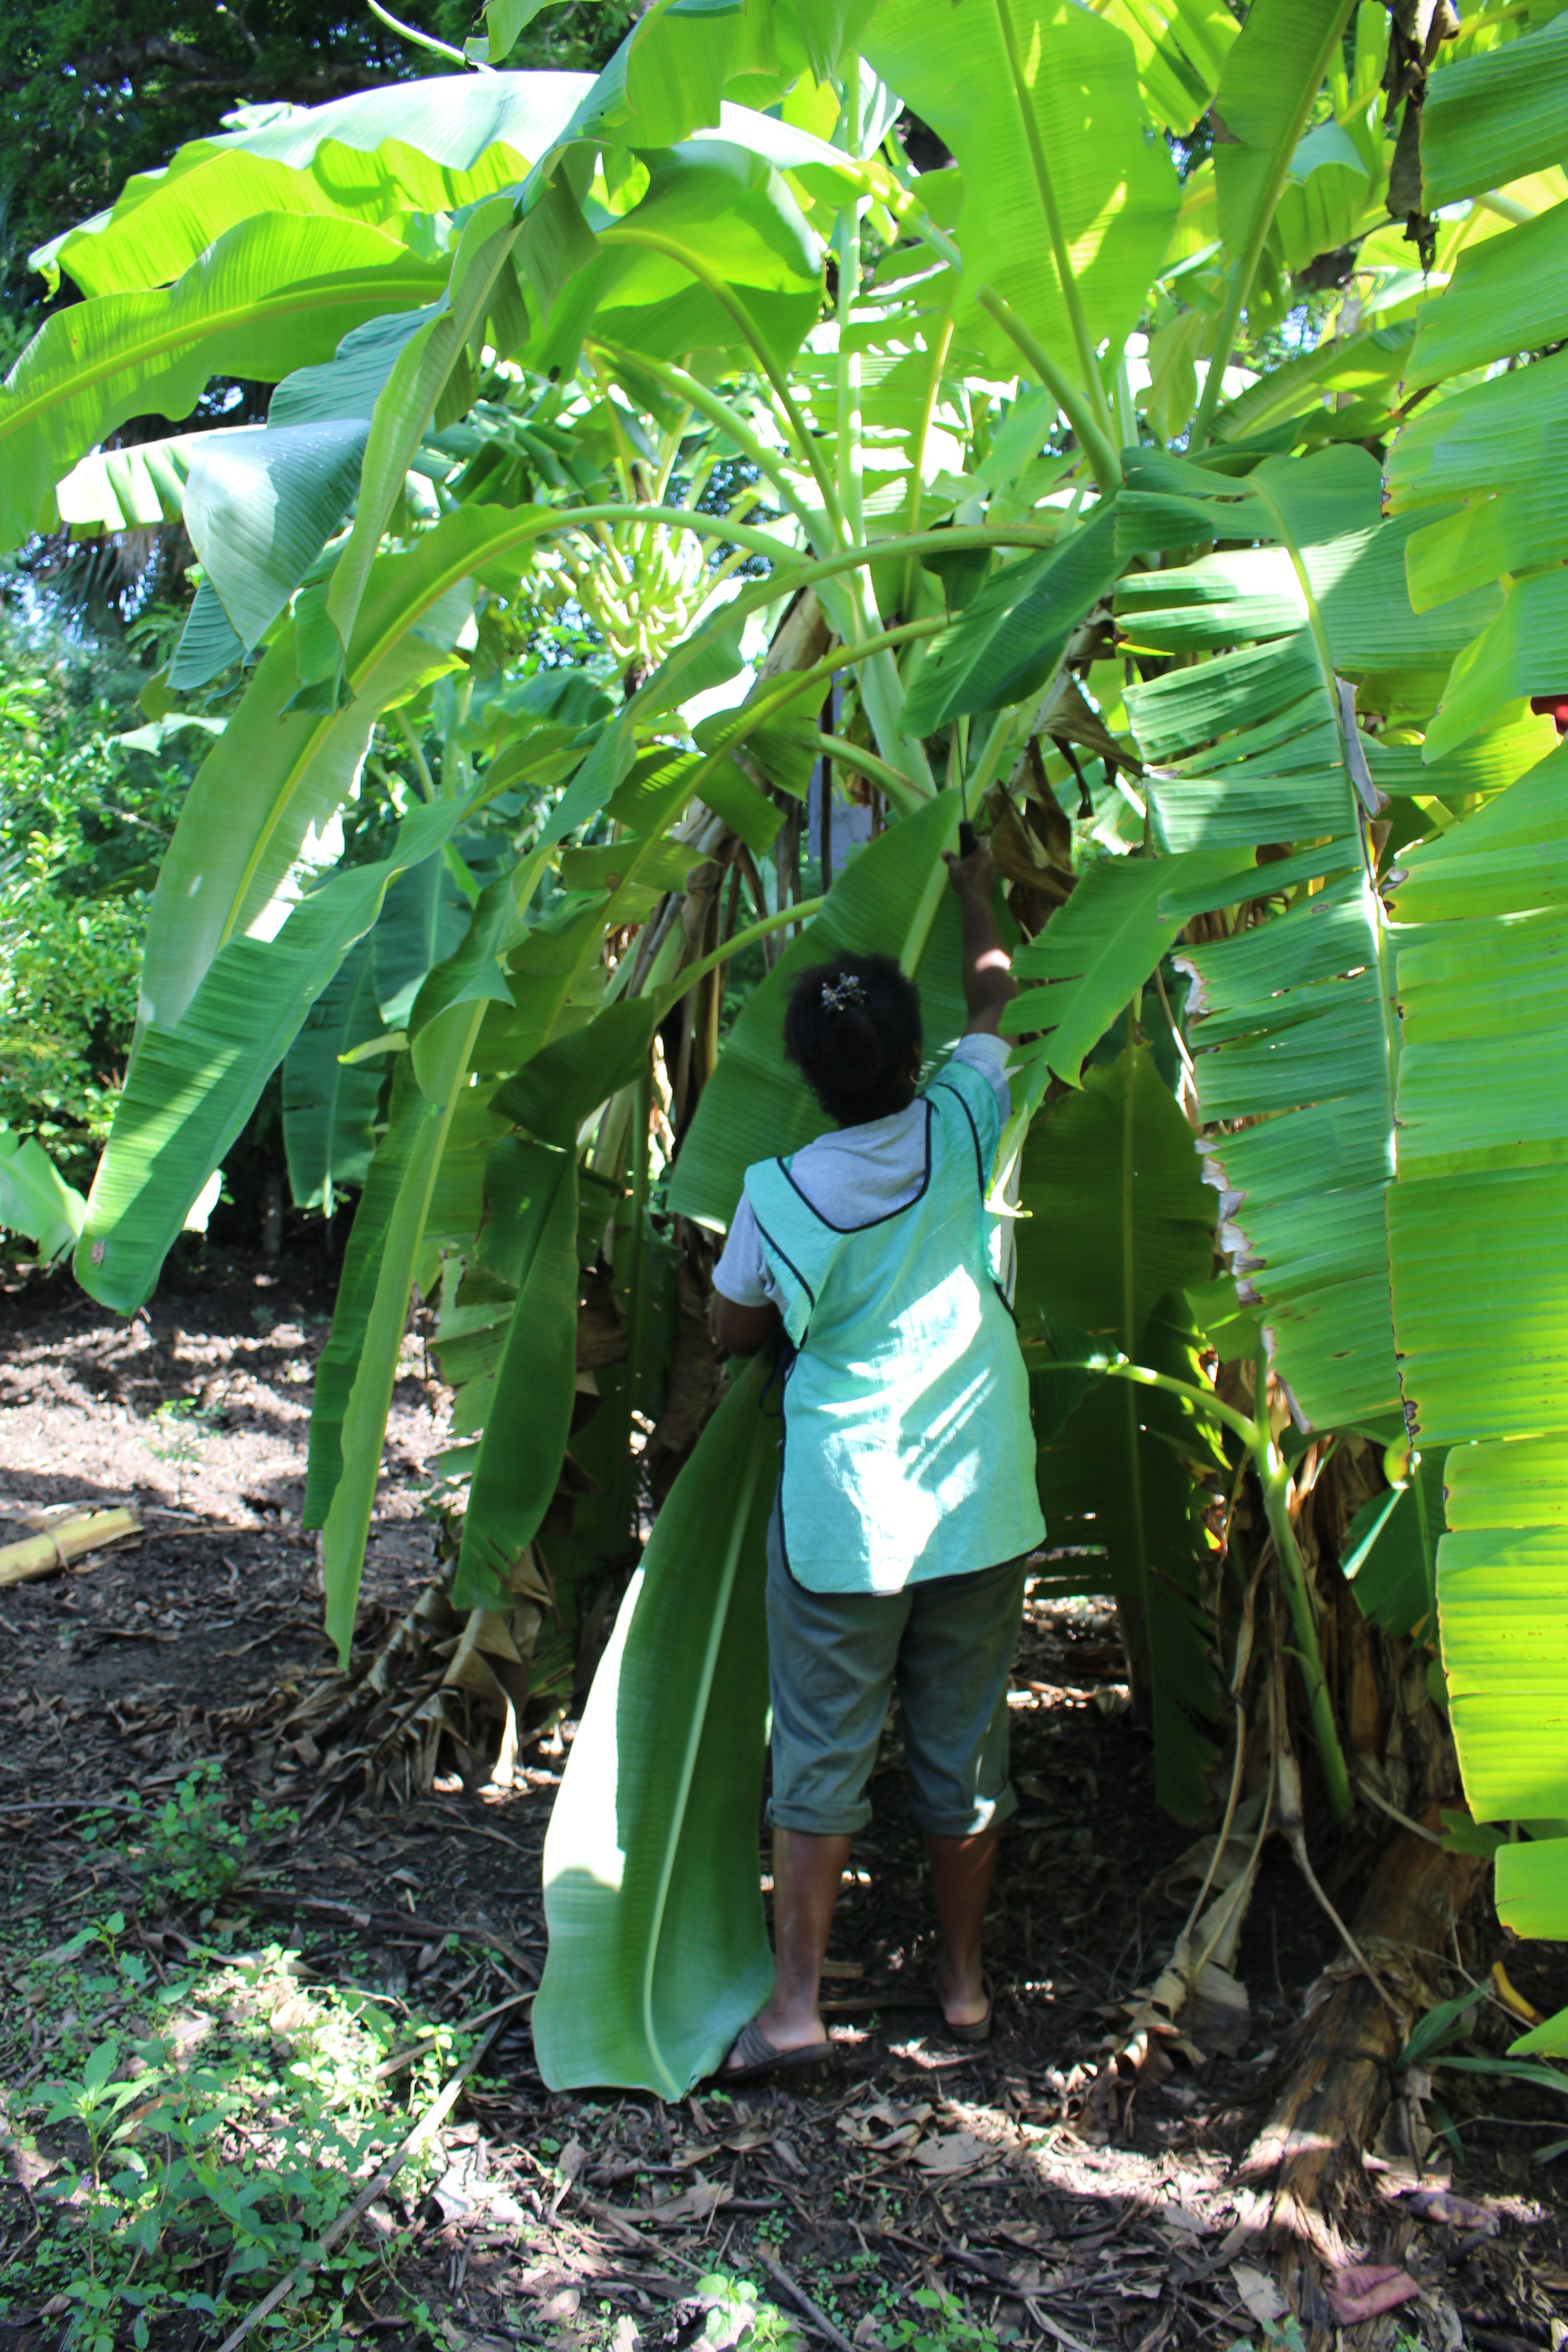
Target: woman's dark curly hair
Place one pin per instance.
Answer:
(853, 1029)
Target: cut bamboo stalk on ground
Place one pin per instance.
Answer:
(40, 1555)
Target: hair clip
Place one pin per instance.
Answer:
(838, 995)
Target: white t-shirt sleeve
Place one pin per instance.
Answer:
(742, 1273)
(988, 1056)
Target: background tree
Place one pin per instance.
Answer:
(91, 93)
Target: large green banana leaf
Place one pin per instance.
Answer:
(1336, 565)
(659, 1950)
(1290, 1025)
(328, 1107)
(1507, 295)
(273, 293)
(530, 1408)
(1480, 1298)
(1117, 1224)
(1494, 117)
(194, 1081)
(891, 899)
(1266, 91)
(428, 146)
(1069, 200)
(1181, 47)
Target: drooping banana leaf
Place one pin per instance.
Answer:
(276, 292)
(893, 898)
(1005, 645)
(328, 1107)
(423, 922)
(428, 146)
(563, 1085)
(276, 778)
(396, 1247)
(193, 1083)
(259, 507)
(1117, 1222)
(530, 1408)
(339, 1360)
(658, 1949)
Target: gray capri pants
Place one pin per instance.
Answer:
(833, 1658)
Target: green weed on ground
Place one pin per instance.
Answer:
(192, 2154)
(190, 2130)
(186, 1850)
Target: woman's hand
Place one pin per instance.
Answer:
(989, 986)
(974, 876)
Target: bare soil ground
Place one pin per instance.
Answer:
(572, 2221)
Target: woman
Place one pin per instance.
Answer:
(907, 1494)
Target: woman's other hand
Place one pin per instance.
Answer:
(974, 876)
(989, 986)
(742, 1330)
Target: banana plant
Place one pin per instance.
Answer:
(1020, 517)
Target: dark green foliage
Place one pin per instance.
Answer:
(93, 92)
(84, 821)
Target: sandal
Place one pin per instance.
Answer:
(979, 2029)
(759, 2057)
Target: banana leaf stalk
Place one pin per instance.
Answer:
(1273, 1478)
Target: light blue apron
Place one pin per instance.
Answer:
(908, 1450)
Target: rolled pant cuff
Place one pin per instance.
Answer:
(986, 1815)
(845, 1822)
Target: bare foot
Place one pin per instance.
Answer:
(962, 1992)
